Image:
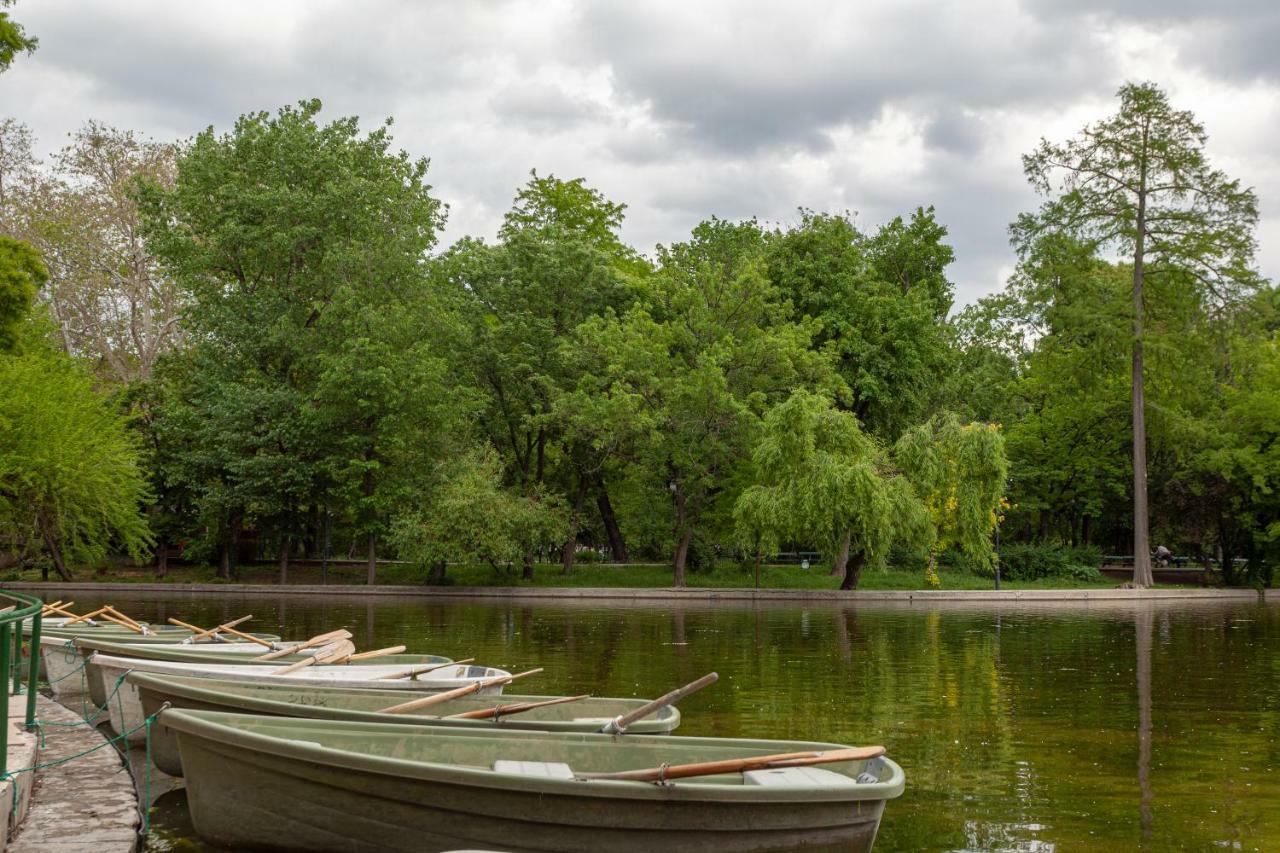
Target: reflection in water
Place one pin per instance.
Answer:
(1142, 625)
(1012, 724)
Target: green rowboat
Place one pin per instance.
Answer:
(62, 656)
(125, 707)
(273, 783)
(360, 705)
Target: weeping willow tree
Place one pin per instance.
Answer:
(820, 479)
(958, 470)
(70, 478)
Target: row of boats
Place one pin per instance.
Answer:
(312, 745)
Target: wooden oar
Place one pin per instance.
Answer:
(221, 629)
(200, 634)
(376, 653)
(436, 699)
(344, 648)
(59, 608)
(317, 640)
(7, 609)
(514, 708)
(618, 725)
(739, 765)
(123, 623)
(113, 612)
(85, 617)
(415, 671)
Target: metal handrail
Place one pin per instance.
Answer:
(25, 607)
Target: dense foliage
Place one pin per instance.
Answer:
(308, 375)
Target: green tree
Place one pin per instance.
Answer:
(960, 472)
(294, 239)
(880, 302)
(559, 262)
(70, 477)
(21, 276)
(683, 379)
(470, 517)
(13, 39)
(1139, 183)
(821, 479)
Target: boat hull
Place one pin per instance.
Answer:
(124, 705)
(343, 703)
(335, 801)
(63, 659)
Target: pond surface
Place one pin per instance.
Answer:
(1110, 727)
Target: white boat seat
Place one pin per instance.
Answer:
(540, 769)
(797, 777)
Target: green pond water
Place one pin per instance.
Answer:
(1116, 727)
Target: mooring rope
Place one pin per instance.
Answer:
(144, 803)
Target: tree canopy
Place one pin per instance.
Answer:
(284, 363)
(1139, 183)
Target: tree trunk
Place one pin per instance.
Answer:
(682, 554)
(284, 560)
(617, 544)
(55, 553)
(575, 521)
(435, 575)
(759, 557)
(224, 561)
(1141, 534)
(1084, 530)
(842, 556)
(324, 557)
(371, 574)
(527, 572)
(162, 560)
(853, 570)
(685, 536)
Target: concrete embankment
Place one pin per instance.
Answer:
(86, 805)
(689, 594)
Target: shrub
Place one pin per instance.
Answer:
(1084, 573)
(1024, 561)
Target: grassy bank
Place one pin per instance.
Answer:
(584, 575)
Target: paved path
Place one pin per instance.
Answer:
(694, 594)
(85, 806)
(22, 753)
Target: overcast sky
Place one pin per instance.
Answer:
(683, 109)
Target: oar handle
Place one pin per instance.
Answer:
(85, 617)
(415, 671)
(739, 765)
(619, 724)
(376, 653)
(515, 708)
(466, 690)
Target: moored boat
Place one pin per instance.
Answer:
(63, 655)
(363, 705)
(326, 785)
(124, 705)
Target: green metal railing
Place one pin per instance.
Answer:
(11, 632)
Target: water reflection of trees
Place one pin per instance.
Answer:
(1016, 727)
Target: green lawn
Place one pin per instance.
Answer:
(725, 575)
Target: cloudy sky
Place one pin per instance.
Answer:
(683, 109)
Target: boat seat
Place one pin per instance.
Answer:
(540, 769)
(797, 777)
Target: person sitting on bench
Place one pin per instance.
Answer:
(1163, 555)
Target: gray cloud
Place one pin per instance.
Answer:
(681, 110)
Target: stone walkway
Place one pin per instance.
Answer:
(85, 806)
